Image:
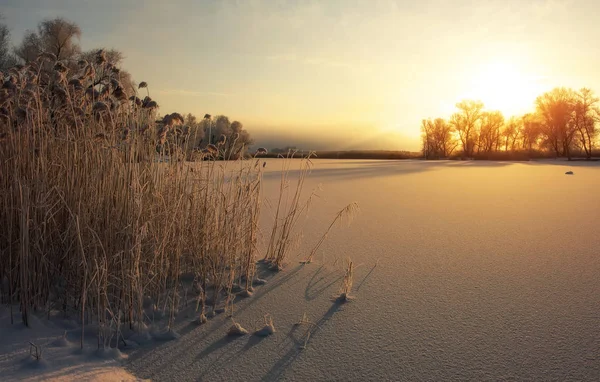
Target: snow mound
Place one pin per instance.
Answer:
(236, 330)
(166, 335)
(109, 353)
(61, 342)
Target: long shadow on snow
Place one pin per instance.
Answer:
(221, 362)
(382, 168)
(313, 290)
(151, 360)
(288, 358)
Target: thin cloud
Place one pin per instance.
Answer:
(191, 93)
(283, 57)
(308, 60)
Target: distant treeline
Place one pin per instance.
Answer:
(349, 154)
(562, 125)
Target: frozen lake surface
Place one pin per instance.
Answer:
(466, 271)
(478, 271)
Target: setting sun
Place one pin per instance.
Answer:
(505, 86)
(268, 190)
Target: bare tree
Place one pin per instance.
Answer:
(6, 58)
(489, 131)
(465, 122)
(556, 110)
(194, 132)
(239, 140)
(57, 36)
(531, 131)
(30, 47)
(438, 138)
(585, 118)
(511, 132)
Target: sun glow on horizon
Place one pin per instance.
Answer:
(505, 86)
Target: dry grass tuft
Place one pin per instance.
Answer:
(345, 214)
(236, 329)
(97, 218)
(347, 282)
(268, 328)
(291, 205)
(311, 326)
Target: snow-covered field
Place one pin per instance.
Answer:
(465, 271)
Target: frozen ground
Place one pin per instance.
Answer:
(466, 271)
(62, 359)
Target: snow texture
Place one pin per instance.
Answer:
(464, 271)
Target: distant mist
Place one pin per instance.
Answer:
(311, 139)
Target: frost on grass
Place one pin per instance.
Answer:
(236, 330)
(347, 282)
(201, 319)
(268, 329)
(246, 293)
(345, 214)
(141, 333)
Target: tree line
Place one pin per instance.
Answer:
(563, 124)
(108, 82)
(231, 137)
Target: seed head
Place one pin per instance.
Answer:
(99, 107)
(60, 67)
(100, 57)
(47, 56)
(212, 149)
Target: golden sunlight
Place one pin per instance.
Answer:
(505, 86)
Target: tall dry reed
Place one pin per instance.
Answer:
(99, 213)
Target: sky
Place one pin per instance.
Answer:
(337, 74)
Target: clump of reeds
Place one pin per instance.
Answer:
(98, 218)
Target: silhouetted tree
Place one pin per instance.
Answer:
(465, 122)
(194, 132)
(438, 138)
(556, 109)
(231, 137)
(585, 118)
(7, 59)
(30, 47)
(531, 131)
(57, 36)
(511, 133)
(491, 123)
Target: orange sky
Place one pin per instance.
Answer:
(337, 74)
